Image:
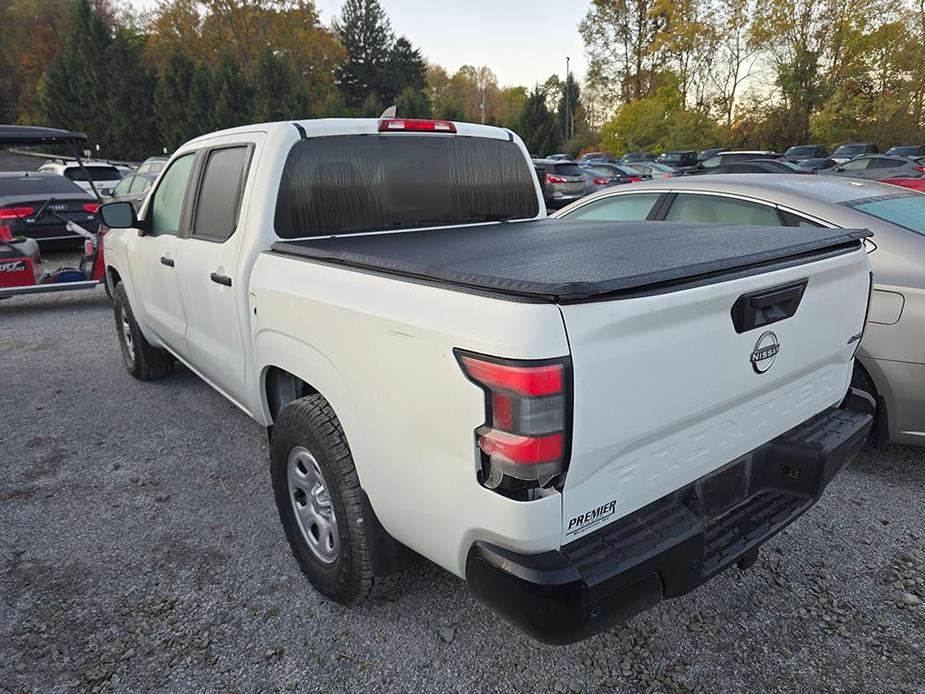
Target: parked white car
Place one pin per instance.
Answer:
(105, 176)
(579, 418)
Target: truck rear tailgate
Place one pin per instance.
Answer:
(667, 388)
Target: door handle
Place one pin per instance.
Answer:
(220, 279)
(166, 261)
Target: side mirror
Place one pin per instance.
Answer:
(119, 215)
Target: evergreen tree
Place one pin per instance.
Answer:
(172, 100)
(538, 127)
(364, 30)
(74, 92)
(130, 130)
(405, 70)
(276, 94)
(231, 94)
(574, 96)
(412, 103)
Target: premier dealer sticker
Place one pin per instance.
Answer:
(595, 516)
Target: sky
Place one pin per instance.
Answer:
(522, 41)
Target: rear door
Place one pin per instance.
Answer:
(208, 263)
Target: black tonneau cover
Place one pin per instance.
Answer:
(564, 260)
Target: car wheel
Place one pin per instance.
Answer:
(319, 500)
(142, 359)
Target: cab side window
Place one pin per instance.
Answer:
(167, 204)
(220, 193)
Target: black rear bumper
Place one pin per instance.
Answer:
(674, 544)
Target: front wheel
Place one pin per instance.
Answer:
(142, 359)
(318, 497)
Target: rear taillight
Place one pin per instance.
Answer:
(920, 169)
(635, 179)
(524, 442)
(91, 207)
(15, 212)
(417, 125)
(601, 181)
(552, 178)
(6, 234)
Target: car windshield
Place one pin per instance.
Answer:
(97, 173)
(670, 156)
(789, 165)
(356, 183)
(596, 172)
(800, 151)
(907, 211)
(903, 151)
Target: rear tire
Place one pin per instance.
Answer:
(142, 360)
(319, 500)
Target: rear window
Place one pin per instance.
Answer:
(356, 183)
(568, 170)
(801, 151)
(38, 185)
(907, 211)
(97, 173)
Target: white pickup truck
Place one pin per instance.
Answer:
(580, 418)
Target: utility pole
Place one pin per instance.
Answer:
(567, 105)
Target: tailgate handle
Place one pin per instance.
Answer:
(767, 306)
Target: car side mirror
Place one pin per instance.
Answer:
(119, 215)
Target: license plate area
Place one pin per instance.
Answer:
(724, 489)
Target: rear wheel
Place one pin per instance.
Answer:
(319, 500)
(142, 359)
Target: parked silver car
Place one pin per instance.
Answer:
(891, 357)
(879, 167)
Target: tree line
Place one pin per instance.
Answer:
(140, 86)
(663, 74)
(756, 73)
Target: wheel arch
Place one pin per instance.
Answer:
(868, 377)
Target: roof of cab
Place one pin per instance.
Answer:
(321, 127)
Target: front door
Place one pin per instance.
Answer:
(155, 274)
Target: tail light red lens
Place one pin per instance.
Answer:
(524, 441)
(15, 212)
(92, 207)
(920, 169)
(417, 125)
(635, 179)
(6, 234)
(601, 181)
(552, 178)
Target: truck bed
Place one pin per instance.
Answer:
(574, 260)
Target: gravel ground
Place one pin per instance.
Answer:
(141, 550)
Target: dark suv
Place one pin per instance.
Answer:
(680, 160)
(852, 150)
(800, 152)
